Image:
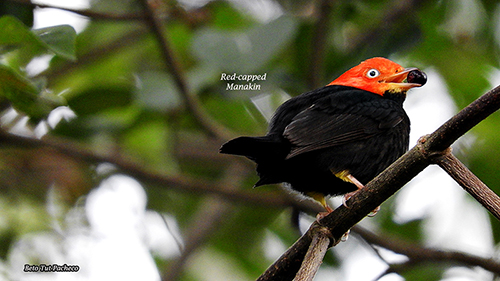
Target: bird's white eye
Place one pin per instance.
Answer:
(372, 73)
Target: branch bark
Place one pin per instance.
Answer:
(388, 182)
(319, 43)
(314, 256)
(470, 183)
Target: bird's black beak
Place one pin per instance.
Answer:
(406, 79)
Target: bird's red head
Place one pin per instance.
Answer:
(377, 75)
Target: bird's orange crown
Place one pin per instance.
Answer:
(377, 75)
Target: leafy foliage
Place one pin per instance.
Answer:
(127, 104)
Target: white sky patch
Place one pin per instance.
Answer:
(116, 247)
(273, 246)
(38, 64)
(59, 114)
(164, 241)
(51, 17)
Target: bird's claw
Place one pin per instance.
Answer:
(345, 236)
(347, 196)
(351, 194)
(374, 212)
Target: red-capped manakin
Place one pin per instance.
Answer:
(335, 139)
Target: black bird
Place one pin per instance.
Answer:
(335, 139)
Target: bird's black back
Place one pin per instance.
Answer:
(325, 131)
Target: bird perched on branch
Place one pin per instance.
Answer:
(333, 140)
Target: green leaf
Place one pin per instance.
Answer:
(225, 16)
(149, 139)
(22, 11)
(16, 35)
(25, 96)
(235, 115)
(99, 98)
(243, 52)
(59, 39)
(424, 272)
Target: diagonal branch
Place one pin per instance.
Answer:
(388, 182)
(314, 256)
(319, 43)
(471, 183)
(191, 102)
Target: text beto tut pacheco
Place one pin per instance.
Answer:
(249, 81)
(50, 268)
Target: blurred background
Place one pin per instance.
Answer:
(112, 113)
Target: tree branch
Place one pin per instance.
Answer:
(418, 254)
(319, 41)
(463, 121)
(388, 182)
(191, 102)
(471, 183)
(314, 256)
(137, 170)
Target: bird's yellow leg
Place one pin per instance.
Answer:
(321, 199)
(347, 177)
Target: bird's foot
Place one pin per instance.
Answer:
(374, 212)
(350, 178)
(347, 196)
(345, 236)
(321, 215)
(351, 194)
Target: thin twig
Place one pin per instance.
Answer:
(471, 183)
(286, 267)
(192, 103)
(418, 254)
(318, 43)
(314, 256)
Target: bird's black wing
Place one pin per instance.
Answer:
(322, 125)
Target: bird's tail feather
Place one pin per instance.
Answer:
(251, 147)
(265, 151)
